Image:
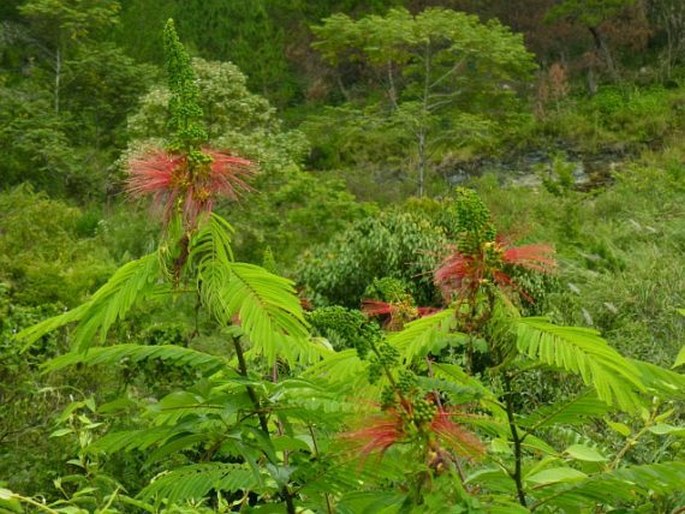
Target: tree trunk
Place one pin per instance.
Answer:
(603, 49)
(58, 76)
(421, 140)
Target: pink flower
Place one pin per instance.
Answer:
(399, 425)
(463, 274)
(384, 431)
(174, 184)
(453, 435)
(394, 315)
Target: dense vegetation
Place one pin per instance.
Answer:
(341, 256)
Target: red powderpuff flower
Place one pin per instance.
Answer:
(453, 435)
(391, 313)
(384, 431)
(375, 308)
(173, 183)
(464, 274)
(393, 427)
(536, 257)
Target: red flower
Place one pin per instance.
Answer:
(454, 436)
(375, 308)
(174, 184)
(384, 431)
(536, 257)
(394, 315)
(463, 274)
(395, 426)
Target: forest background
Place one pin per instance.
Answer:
(366, 121)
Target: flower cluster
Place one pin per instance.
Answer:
(463, 274)
(178, 184)
(393, 315)
(419, 419)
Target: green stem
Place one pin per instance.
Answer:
(517, 475)
(388, 375)
(33, 502)
(329, 506)
(263, 422)
(242, 368)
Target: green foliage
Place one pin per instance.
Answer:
(266, 305)
(194, 482)
(589, 12)
(438, 74)
(583, 352)
(108, 304)
(43, 259)
(71, 20)
(67, 102)
(407, 245)
(191, 382)
(622, 117)
(344, 328)
(387, 289)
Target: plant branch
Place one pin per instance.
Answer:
(518, 455)
(263, 422)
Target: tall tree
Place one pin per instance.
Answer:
(441, 72)
(592, 14)
(59, 25)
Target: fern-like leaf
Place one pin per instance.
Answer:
(196, 481)
(662, 382)
(110, 303)
(622, 485)
(116, 298)
(268, 308)
(170, 354)
(265, 304)
(343, 368)
(418, 338)
(583, 352)
(567, 412)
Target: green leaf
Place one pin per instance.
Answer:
(494, 479)
(662, 382)
(567, 412)
(666, 429)
(554, 475)
(584, 453)
(171, 354)
(618, 427)
(621, 485)
(266, 305)
(110, 303)
(195, 481)
(680, 359)
(61, 432)
(581, 351)
(418, 337)
(341, 368)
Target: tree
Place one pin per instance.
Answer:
(443, 76)
(58, 25)
(66, 96)
(670, 17)
(592, 14)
